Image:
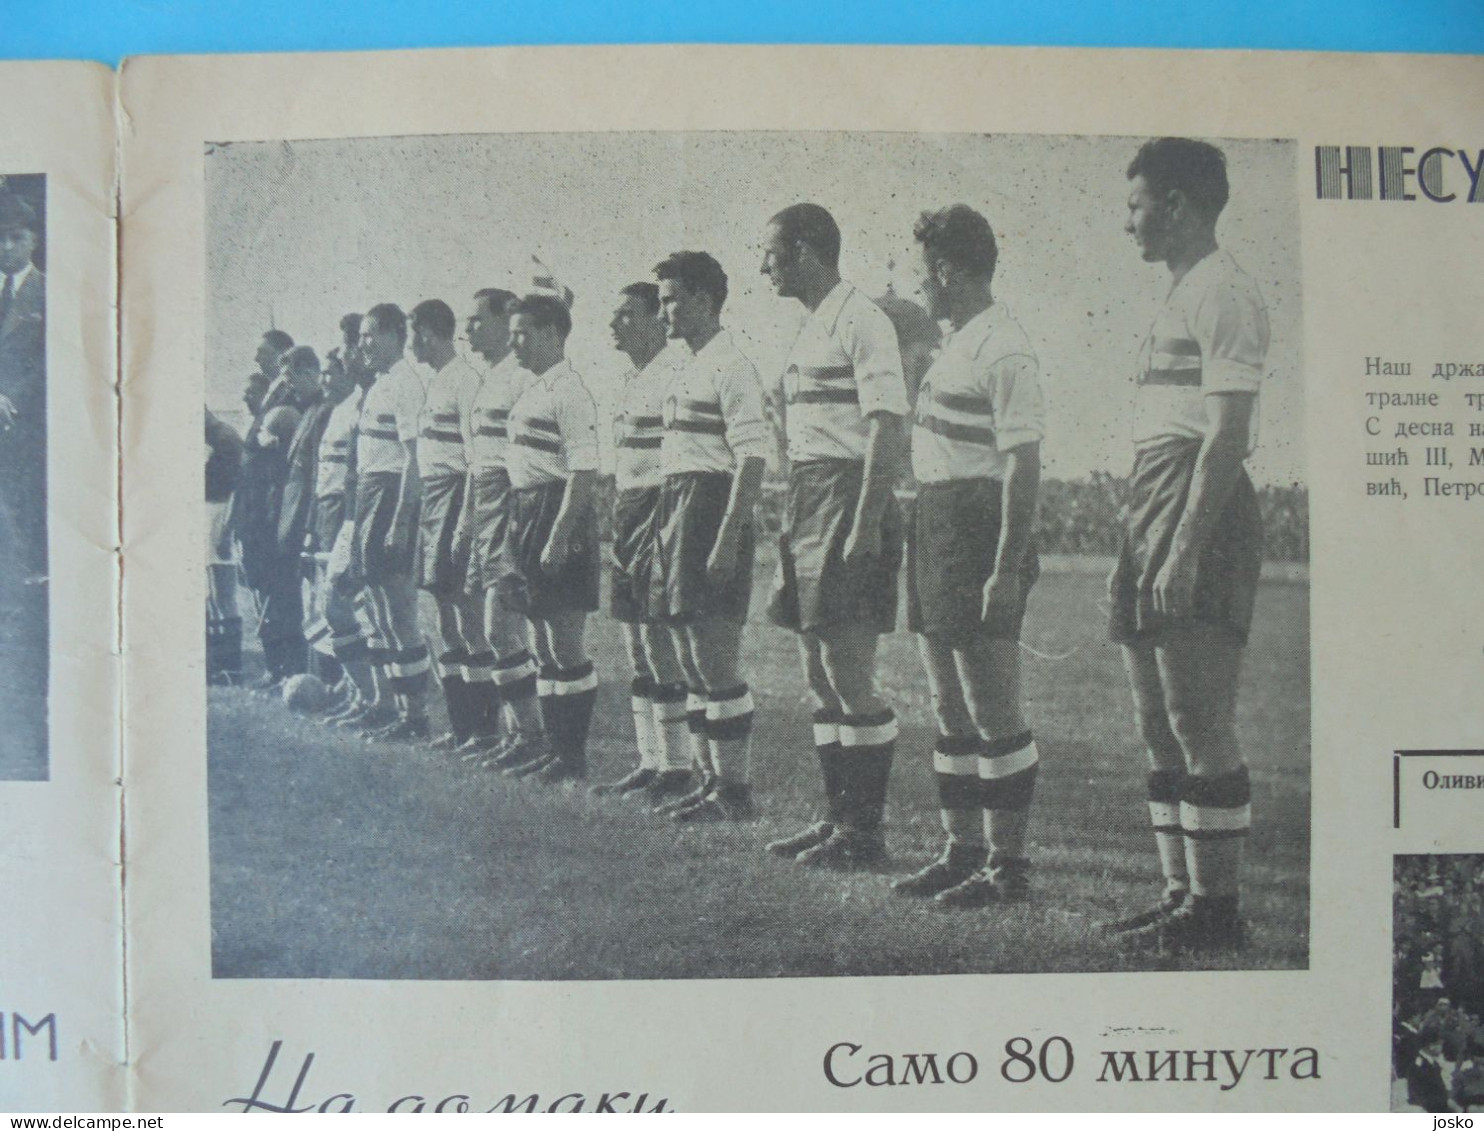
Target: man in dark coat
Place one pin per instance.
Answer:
(22, 391)
(257, 506)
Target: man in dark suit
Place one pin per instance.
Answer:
(296, 509)
(257, 504)
(22, 391)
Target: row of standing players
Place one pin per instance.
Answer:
(479, 489)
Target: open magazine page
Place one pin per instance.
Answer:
(745, 579)
(61, 1013)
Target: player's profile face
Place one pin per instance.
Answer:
(628, 322)
(421, 345)
(306, 375)
(1148, 221)
(17, 245)
(779, 262)
(487, 331)
(680, 308)
(378, 347)
(929, 286)
(267, 358)
(536, 347)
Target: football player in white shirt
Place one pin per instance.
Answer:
(658, 692)
(713, 455)
(976, 455)
(845, 400)
(387, 494)
(548, 568)
(485, 519)
(1183, 589)
(463, 664)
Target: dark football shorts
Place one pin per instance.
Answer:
(490, 512)
(635, 534)
(1229, 565)
(372, 560)
(329, 513)
(814, 587)
(524, 585)
(951, 545)
(692, 505)
(441, 560)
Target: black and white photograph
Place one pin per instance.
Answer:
(680, 555)
(1437, 964)
(24, 607)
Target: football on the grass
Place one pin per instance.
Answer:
(305, 694)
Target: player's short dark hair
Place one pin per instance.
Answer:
(960, 236)
(548, 312)
(302, 357)
(350, 325)
(647, 293)
(435, 316)
(1195, 168)
(696, 271)
(812, 226)
(498, 300)
(389, 316)
(279, 340)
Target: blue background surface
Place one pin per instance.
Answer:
(107, 30)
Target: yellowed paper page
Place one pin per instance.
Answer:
(61, 958)
(319, 921)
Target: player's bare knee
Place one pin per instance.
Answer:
(1165, 750)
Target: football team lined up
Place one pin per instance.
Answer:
(478, 486)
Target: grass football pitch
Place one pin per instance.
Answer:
(332, 858)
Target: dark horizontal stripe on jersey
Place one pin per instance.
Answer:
(380, 434)
(966, 433)
(445, 437)
(497, 430)
(644, 421)
(445, 418)
(705, 408)
(1177, 347)
(827, 372)
(1184, 378)
(495, 413)
(541, 425)
(826, 396)
(641, 442)
(334, 457)
(702, 427)
(974, 406)
(540, 443)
